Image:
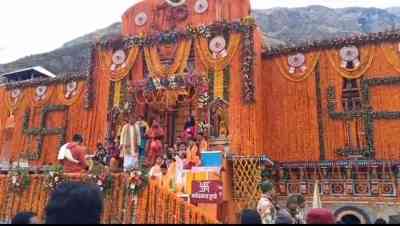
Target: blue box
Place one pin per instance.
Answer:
(212, 159)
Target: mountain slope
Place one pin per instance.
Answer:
(281, 25)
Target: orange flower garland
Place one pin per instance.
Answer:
(310, 63)
(122, 71)
(42, 101)
(154, 204)
(62, 91)
(367, 57)
(219, 64)
(13, 104)
(155, 66)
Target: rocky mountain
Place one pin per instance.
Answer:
(281, 26)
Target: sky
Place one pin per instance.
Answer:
(37, 26)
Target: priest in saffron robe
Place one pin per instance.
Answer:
(128, 146)
(155, 135)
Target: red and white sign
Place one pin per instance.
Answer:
(207, 192)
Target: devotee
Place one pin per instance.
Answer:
(266, 207)
(155, 171)
(142, 128)
(113, 155)
(74, 203)
(25, 218)
(155, 135)
(128, 146)
(78, 152)
(190, 128)
(295, 206)
(301, 216)
(192, 154)
(178, 142)
(180, 161)
(283, 217)
(101, 154)
(380, 221)
(250, 217)
(320, 216)
(203, 144)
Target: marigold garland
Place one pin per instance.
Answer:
(311, 63)
(367, 58)
(47, 96)
(156, 68)
(121, 72)
(207, 58)
(217, 65)
(61, 92)
(392, 54)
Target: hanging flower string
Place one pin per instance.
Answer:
(179, 64)
(391, 51)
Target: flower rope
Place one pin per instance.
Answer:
(157, 69)
(392, 54)
(311, 63)
(120, 72)
(217, 65)
(366, 61)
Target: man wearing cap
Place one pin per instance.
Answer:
(266, 207)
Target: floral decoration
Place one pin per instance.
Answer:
(137, 182)
(19, 180)
(53, 177)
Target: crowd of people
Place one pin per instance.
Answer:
(79, 203)
(139, 145)
(269, 211)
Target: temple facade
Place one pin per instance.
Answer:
(325, 112)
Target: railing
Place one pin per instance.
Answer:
(154, 205)
(159, 206)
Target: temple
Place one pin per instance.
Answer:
(322, 113)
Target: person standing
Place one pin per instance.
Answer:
(266, 207)
(141, 128)
(128, 146)
(155, 135)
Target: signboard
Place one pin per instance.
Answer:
(210, 192)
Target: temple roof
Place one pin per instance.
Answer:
(27, 74)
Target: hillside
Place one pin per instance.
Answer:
(281, 25)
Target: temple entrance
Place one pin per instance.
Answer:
(172, 120)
